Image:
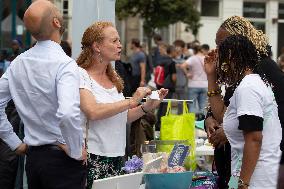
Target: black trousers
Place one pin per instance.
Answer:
(8, 167)
(222, 157)
(48, 167)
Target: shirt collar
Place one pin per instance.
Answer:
(49, 44)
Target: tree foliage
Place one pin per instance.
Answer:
(160, 13)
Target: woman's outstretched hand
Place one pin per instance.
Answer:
(150, 104)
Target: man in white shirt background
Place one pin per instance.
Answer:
(43, 82)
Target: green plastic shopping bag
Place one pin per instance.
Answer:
(179, 127)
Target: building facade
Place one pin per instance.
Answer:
(266, 15)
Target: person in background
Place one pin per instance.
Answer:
(180, 49)
(66, 48)
(138, 64)
(149, 65)
(205, 49)
(197, 82)
(195, 43)
(281, 62)
(181, 82)
(4, 63)
(190, 50)
(166, 61)
(8, 158)
(15, 49)
(155, 51)
(105, 111)
(124, 71)
(44, 82)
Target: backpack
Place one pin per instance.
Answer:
(159, 75)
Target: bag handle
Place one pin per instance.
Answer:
(185, 108)
(169, 108)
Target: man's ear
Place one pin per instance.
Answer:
(56, 22)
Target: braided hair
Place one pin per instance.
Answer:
(237, 25)
(236, 55)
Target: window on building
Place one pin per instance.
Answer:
(210, 8)
(65, 7)
(66, 18)
(281, 11)
(254, 10)
(259, 25)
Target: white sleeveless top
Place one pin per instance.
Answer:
(106, 137)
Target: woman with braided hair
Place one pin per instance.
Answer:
(251, 119)
(105, 111)
(236, 25)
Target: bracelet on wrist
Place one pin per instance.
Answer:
(142, 108)
(209, 113)
(214, 92)
(129, 104)
(137, 101)
(241, 183)
(133, 102)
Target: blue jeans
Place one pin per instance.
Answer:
(199, 97)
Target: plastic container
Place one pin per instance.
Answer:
(156, 146)
(161, 145)
(180, 180)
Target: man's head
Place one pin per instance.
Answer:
(44, 21)
(171, 51)
(157, 39)
(180, 46)
(163, 48)
(237, 25)
(205, 49)
(15, 45)
(135, 43)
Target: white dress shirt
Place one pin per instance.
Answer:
(44, 85)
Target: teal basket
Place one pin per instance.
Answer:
(168, 180)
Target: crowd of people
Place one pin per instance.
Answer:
(75, 114)
(178, 67)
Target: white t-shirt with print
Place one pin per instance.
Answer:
(253, 97)
(106, 137)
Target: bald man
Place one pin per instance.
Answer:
(44, 85)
